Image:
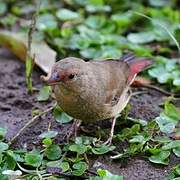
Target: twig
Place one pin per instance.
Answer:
(161, 90)
(30, 122)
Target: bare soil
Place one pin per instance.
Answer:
(16, 107)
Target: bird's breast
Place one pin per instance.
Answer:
(84, 106)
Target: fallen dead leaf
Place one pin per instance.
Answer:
(17, 43)
(141, 81)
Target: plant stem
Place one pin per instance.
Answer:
(29, 57)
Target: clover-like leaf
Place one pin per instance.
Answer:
(79, 148)
(53, 152)
(141, 37)
(102, 149)
(33, 158)
(160, 158)
(64, 166)
(3, 146)
(44, 93)
(60, 116)
(66, 14)
(106, 175)
(79, 168)
(48, 134)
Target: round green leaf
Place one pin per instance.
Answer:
(160, 158)
(3, 7)
(141, 37)
(171, 145)
(95, 22)
(47, 141)
(3, 146)
(79, 168)
(33, 158)
(61, 117)
(79, 148)
(46, 22)
(48, 134)
(53, 152)
(102, 149)
(44, 93)
(64, 166)
(176, 151)
(66, 14)
(3, 132)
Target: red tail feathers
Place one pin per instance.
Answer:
(136, 65)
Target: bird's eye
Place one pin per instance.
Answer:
(71, 76)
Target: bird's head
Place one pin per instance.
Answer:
(67, 72)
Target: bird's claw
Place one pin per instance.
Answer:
(108, 142)
(72, 132)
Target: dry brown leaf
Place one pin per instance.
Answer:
(141, 81)
(17, 43)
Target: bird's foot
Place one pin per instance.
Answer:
(72, 132)
(108, 142)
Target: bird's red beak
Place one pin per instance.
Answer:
(51, 79)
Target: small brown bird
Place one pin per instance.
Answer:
(94, 90)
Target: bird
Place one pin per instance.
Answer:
(95, 90)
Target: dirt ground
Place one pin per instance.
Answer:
(16, 108)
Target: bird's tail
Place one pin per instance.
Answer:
(136, 64)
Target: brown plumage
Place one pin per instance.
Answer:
(94, 90)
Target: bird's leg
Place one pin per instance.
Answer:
(109, 140)
(73, 129)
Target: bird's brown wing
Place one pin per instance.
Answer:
(112, 76)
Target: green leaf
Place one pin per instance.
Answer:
(109, 52)
(107, 175)
(53, 152)
(123, 20)
(3, 132)
(3, 146)
(3, 7)
(64, 166)
(54, 163)
(171, 145)
(141, 37)
(176, 82)
(60, 116)
(172, 112)
(16, 157)
(155, 72)
(47, 141)
(160, 158)
(176, 151)
(177, 169)
(86, 140)
(164, 78)
(44, 93)
(33, 158)
(79, 168)
(79, 148)
(127, 133)
(139, 139)
(159, 3)
(48, 134)
(67, 15)
(95, 22)
(165, 123)
(46, 22)
(162, 139)
(102, 149)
